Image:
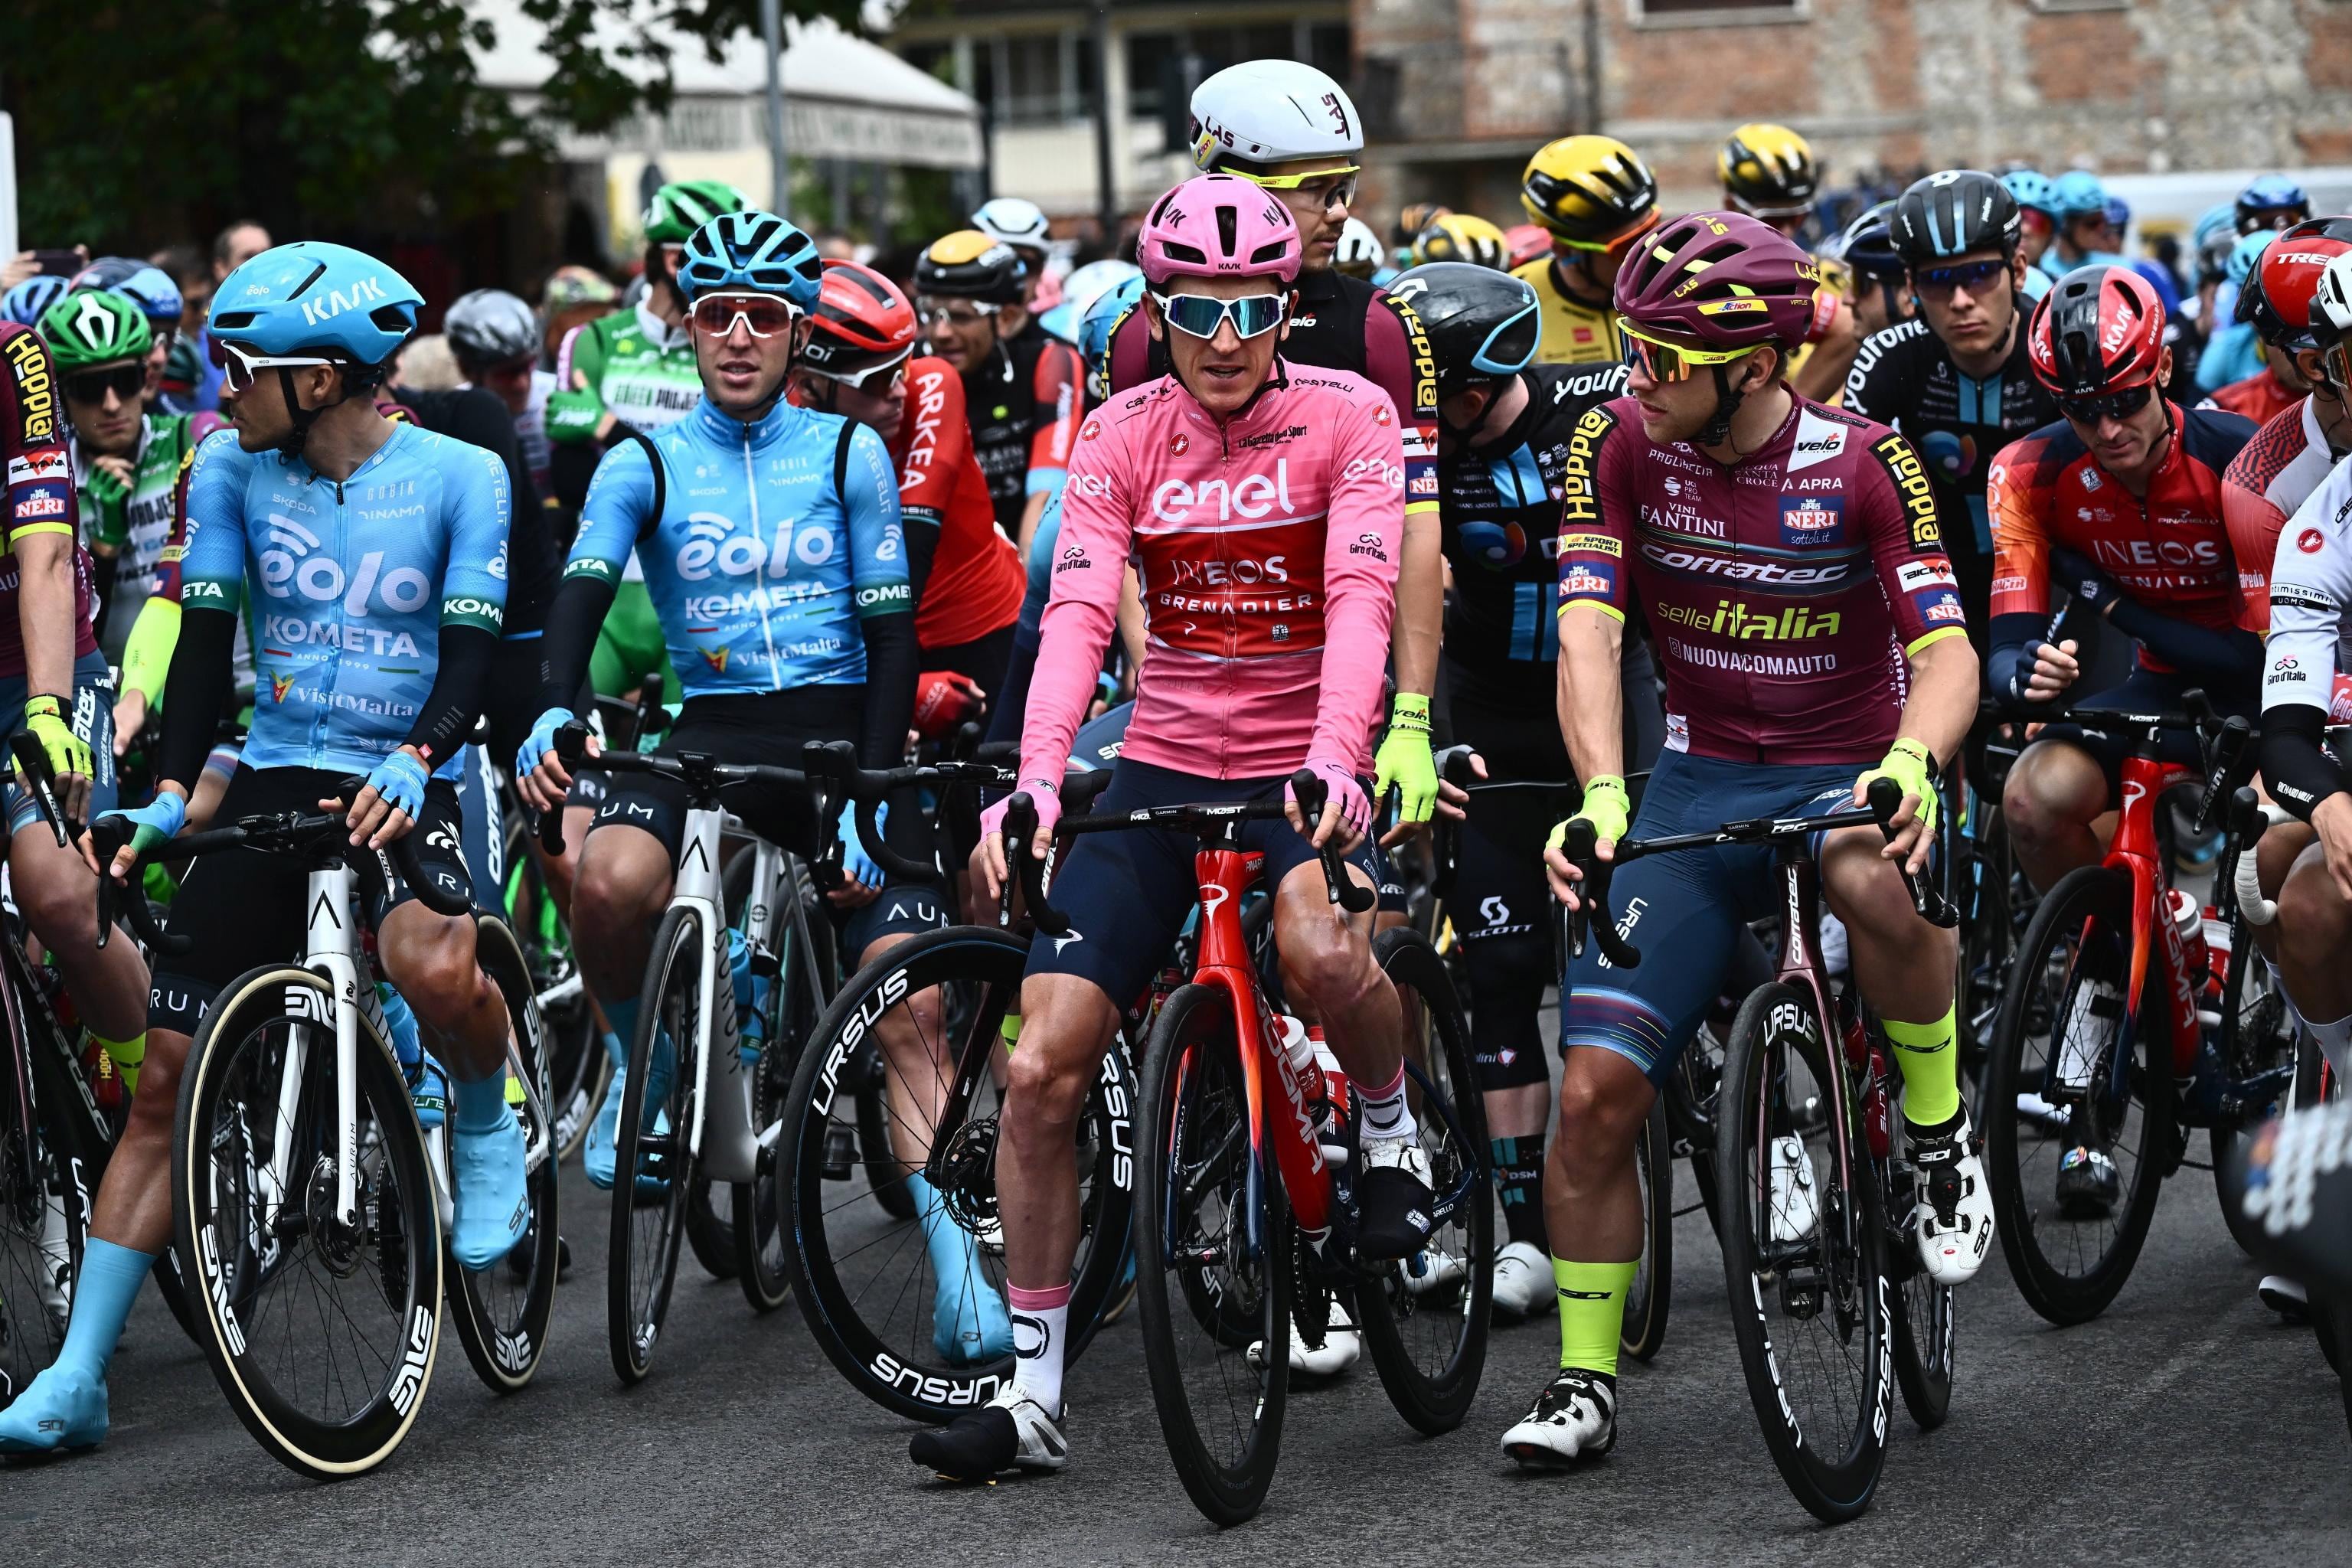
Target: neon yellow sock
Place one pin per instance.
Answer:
(1931, 1069)
(1011, 1029)
(1591, 1311)
(126, 1055)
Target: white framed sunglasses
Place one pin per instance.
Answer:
(762, 315)
(1199, 315)
(236, 364)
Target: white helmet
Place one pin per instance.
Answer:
(1263, 111)
(1359, 249)
(1012, 220)
(2331, 312)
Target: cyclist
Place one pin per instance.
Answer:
(1957, 380)
(2232, 353)
(1460, 236)
(966, 575)
(1505, 443)
(1701, 493)
(1019, 385)
(2085, 236)
(1595, 197)
(1358, 254)
(495, 338)
(1880, 298)
(1235, 455)
(2269, 202)
(1767, 171)
(2036, 195)
(1020, 222)
(373, 548)
(151, 288)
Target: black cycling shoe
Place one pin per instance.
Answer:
(1394, 1203)
(1012, 1431)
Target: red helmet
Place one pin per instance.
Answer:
(1527, 242)
(2099, 329)
(1722, 278)
(863, 324)
(2277, 300)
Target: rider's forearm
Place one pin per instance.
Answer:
(2014, 640)
(2298, 772)
(893, 660)
(1591, 696)
(2227, 654)
(454, 702)
(45, 611)
(1420, 605)
(202, 680)
(573, 620)
(922, 532)
(1943, 701)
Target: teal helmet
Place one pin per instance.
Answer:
(310, 297)
(2031, 189)
(754, 252)
(2079, 192)
(2247, 255)
(1095, 328)
(25, 303)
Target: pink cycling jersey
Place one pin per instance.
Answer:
(1266, 550)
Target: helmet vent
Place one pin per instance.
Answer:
(1229, 224)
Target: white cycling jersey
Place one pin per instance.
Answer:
(2311, 584)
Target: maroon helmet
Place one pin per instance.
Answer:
(1720, 278)
(2099, 329)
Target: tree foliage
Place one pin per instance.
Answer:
(141, 120)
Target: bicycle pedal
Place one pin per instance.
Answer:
(840, 1153)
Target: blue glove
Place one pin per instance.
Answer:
(854, 860)
(157, 822)
(2083, 580)
(540, 740)
(399, 781)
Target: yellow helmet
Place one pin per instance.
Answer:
(1459, 236)
(1416, 216)
(1767, 171)
(1590, 192)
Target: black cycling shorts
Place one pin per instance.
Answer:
(2145, 691)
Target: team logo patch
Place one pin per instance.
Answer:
(2309, 542)
(38, 502)
(1812, 519)
(1588, 580)
(715, 658)
(1921, 576)
(1093, 430)
(280, 685)
(1380, 415)
(1941, 609)
(1178, 443)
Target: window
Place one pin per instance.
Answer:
(1031, 87)
(1162, 68)
(1704, 11)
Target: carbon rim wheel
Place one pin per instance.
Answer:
(1803, 1258)
(1215, 1229)
(762, 1242)
(652, 1175)
(322, 1335)
(577, 1068)
(42, 1216)
(1650, 1298)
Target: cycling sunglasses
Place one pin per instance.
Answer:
(1940, 283)
(2113, 406)
(1341, 194)
(127, 381)
(874, 381)
(236, 366)
(1199, 315)
(959, 313)
(1672, 362)
(762, 315)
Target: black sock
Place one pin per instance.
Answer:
(1519, 1177)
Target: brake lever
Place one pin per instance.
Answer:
(1307, 789)
(1885, 798)
(1591, 915)
(1020, 832)
(33, 768)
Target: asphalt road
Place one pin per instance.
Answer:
(2185, 1425)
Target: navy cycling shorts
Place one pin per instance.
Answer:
(2146, 691)
(1685, 910)
(90, 716)
(1129, 894)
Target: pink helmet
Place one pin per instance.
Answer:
(1218, 225)
(1723, 279)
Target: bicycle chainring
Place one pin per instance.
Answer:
(964, 1174)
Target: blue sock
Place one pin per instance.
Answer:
(481, 1104)
(616, 1049)
(622, 1016)
(111, 1277)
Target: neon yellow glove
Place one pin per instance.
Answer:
(68, 752)
(1606, 806)
(1907, 763)
(1404, 760)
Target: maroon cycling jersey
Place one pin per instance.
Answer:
(40, 486)
(1785, 594)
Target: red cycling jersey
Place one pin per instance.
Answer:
(40, 487)
(2168, 549)
(2261, 397)
(2271, 476)
(1785, 593)
(975, 582)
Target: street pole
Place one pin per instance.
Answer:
(1592, 65)
(772, 24)
(1106, 180)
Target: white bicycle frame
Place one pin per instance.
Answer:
(732, 1150)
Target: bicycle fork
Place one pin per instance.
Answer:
(732, 1147)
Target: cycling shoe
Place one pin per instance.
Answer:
(493, 1197)
(62, 1411)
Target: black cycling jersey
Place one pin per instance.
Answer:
(480, 418)
(1500, 505)
(1023, 403)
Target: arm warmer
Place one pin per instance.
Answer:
(893, 660)
(2232, 653)
(923, 531)
(2298, 770)
(447, 720)
(201, 683)
(573, 622)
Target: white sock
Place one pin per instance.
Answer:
(1385, 1113)
(1041, 1324)
(2336, 1044)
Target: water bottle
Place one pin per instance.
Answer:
(1305, 1073)
(2189, 921)
(750, 998)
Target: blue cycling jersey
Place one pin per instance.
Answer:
(351, 583)
(772, 541)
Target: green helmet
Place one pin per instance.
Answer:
(682, 206)
(94, 327)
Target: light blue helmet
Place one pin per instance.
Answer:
(1082, 289)
(312, 296)
(2030, 189)
(25, 302)
(158, 298)
(2247, 255)
(751, 252)
(1101, 319)
(2078, 192)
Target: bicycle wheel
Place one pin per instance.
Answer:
(1690, 1094)
(654, 1173)
(1926, 1329)
(2258, 1036)
(1804, 1258)
(1651, 1295)
(872, 1078)
(321, 1335)
(1218, 1235)
(43, 1218)
(577, 1068)
(2069, 1258)
(758, 1206)
(502, 1313)
(1425, 1320)
(893, 1301)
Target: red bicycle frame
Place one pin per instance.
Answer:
(2134, 853)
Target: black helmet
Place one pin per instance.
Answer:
(1953, 213)
(1482, 324)
(1868, 245)
(968, 265)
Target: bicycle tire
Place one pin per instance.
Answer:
(2089, 906)
(1834, 1469)
(577, 1067)
(758, 1206)
(833, 1231)
(1192, 1071)
(502, 1313)
(873, 1090)
(1650, 1299)
(42, 1211)
(642, 1259)
(1432, 1377)
(1927, 1327)
(406, 1231)
(2258, 1034)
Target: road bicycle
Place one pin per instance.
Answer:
(1831, 1306)
(307, 1200)
(2117, 1036)
(1244, 1185)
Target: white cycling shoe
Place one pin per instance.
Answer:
(1954, 1214)
(1342, 1347)
(1575, 1417)
(1523, 1281)
(2286, 1297)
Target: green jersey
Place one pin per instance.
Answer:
(640, 370)
(125, 531)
